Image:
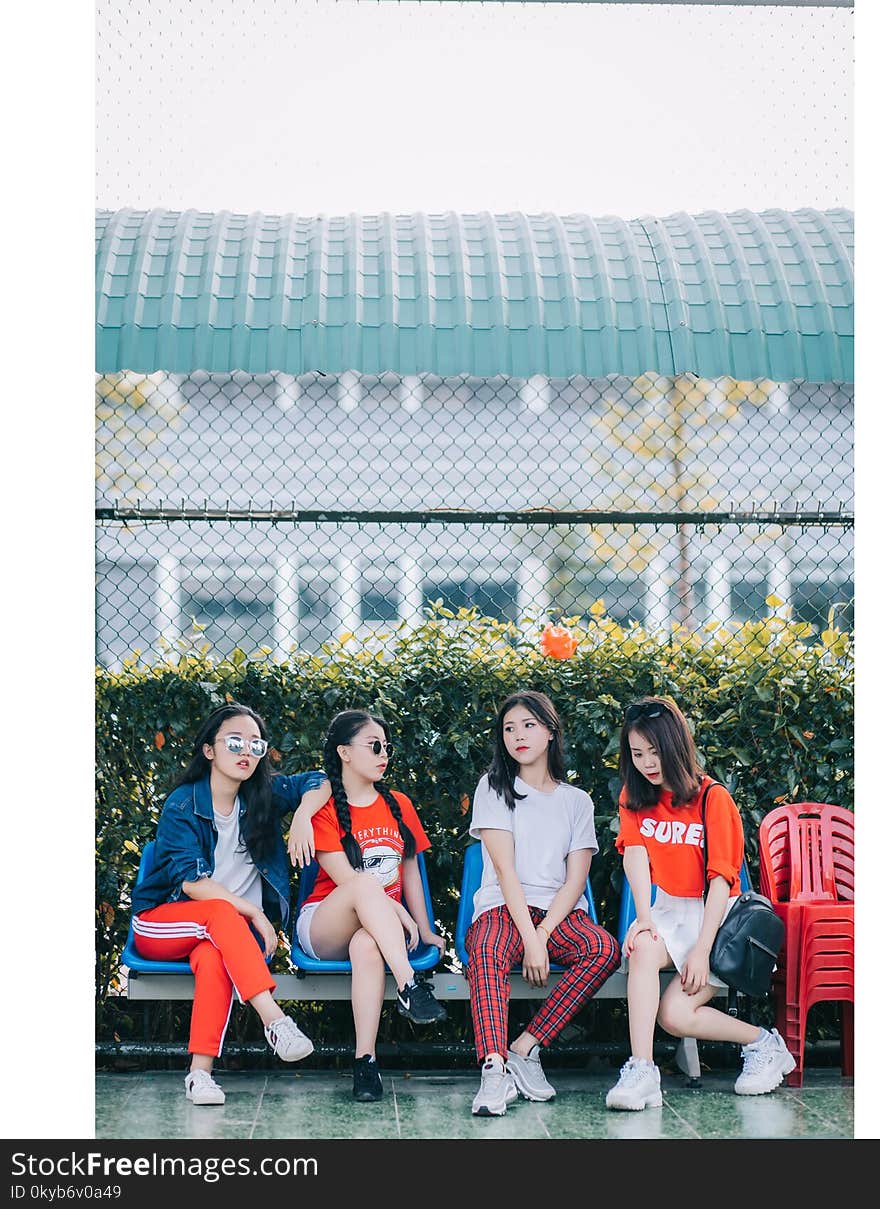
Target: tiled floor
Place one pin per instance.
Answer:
(436, 1104)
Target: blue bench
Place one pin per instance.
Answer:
(472, 874)
(130, 956)
(423, 957)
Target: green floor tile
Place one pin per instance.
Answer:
(321, 1106)
(302, 1104)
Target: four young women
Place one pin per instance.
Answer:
(220, 884)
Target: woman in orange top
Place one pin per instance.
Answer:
(661, 840)
(366, 839)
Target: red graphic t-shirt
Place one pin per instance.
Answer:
(375, 829)
(673, 836)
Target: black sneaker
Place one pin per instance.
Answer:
(416, 1002)
(367, 1080)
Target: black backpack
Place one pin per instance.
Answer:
(746, 948)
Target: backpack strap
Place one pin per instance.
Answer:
(711, 785)
(732, 995)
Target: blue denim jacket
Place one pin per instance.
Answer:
(186, 836)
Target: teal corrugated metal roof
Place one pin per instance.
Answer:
(752, 295)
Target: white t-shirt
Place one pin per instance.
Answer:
(233, 867)
(545, 827)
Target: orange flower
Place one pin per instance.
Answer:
(159, 740)
(557, 642)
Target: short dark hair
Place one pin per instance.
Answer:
(665, 727)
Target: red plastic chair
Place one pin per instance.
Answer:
(807, 865)
(825, 971)
(807, 853)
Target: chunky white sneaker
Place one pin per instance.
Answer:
(497, 1090)
(528, 1075)
(287, 1041)
(765, 1065)
(638, 1086)
(201, 1088)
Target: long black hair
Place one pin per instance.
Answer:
(504, 768)
(342, 730)
(259, 822)
(665, 727)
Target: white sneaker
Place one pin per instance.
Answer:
(497, 1090)
(638, 1086)
(287, 1041)
(528, 1075)
(765, 1065)
(201, 1088)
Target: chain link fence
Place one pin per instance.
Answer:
(274, 513)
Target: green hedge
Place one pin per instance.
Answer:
(772, 712)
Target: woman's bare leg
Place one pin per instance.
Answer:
(685, 1015)
(367, 991)
(646, 961)
(361, 902)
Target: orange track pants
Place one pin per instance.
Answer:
(223, 953)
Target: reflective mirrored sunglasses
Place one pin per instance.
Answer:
(376, 747)
(649, 709)
(236, 744)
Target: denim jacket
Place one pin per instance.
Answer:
(186, 836)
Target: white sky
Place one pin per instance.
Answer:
(355, 106)
(335, 107)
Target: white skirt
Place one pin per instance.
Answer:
(678, 922)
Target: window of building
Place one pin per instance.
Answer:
(624, 599)
(379, 599)
(813, 599)
(748, 598)
(492, 598)
(316, 614)
(230, 619)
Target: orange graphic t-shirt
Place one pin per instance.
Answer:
(673, 837)
(375, 829)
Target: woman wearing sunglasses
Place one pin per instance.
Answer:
(662, 842)
(366, 839)
(220, 872)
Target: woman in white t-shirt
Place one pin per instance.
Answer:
(538, 838)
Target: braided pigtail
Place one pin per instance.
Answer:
(343, 813)
(409, 840)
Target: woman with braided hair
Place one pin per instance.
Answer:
(366, 839)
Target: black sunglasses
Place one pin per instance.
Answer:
(376, 747)
(648, 709)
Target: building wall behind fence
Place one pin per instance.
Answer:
(269, 513)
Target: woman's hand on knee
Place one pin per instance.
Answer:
(635, 929)
(695, 971)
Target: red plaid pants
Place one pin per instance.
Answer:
(588, 953)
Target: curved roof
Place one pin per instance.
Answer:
(747, 294)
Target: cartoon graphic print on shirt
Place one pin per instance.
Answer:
(383, 852)
(382, 861)
(378, 837)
